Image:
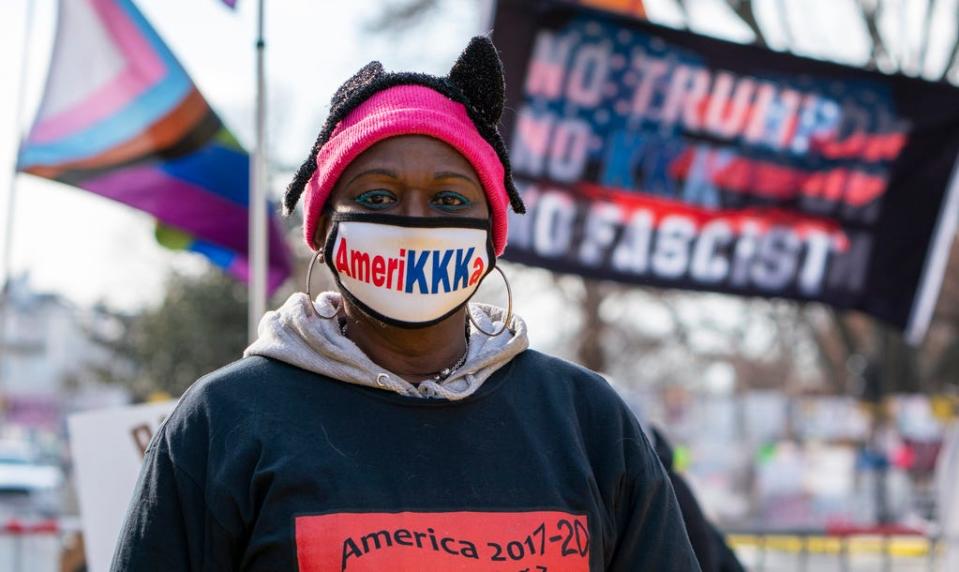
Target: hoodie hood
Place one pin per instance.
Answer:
(294, 335)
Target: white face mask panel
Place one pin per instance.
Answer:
(408, 272)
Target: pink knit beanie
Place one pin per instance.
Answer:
(461, 110)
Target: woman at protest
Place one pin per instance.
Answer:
(393, 425)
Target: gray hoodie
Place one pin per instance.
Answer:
(293, 334)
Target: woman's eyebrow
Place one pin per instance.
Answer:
(453, 175)
(380, 171)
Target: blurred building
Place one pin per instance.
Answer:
(49, 360)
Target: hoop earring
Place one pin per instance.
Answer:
(509, 310)
(309, 293)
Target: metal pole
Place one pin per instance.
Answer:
(17, 552)
(884, 382)
(258, 180)
(12, 190)
(804, 552)
(844, 553)
(886, 556)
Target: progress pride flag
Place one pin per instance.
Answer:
(655, 156)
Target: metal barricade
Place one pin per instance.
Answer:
(40, 546)
(828, 551)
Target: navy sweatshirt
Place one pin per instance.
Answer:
(267, 467)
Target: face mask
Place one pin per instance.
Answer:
(408, 272)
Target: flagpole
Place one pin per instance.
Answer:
(12, 192)
(21, 134)
(258, 180)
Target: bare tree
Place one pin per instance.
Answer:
(397, 15)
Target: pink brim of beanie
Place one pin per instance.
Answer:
(407, 110)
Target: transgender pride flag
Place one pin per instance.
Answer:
(121, 118)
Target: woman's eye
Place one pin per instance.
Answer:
(376, 199)
(450, 201)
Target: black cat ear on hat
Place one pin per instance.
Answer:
(367, 74)
(478, 73)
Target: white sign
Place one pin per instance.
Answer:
(947, 475)
(108, 447)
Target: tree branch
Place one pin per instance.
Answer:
(590, 351)
(952, 61)
(924, 37)
(784, 21)
(744, 9)
(845, 333)
(835, 375)
(870, 15)
(684, 10)
(398, 15)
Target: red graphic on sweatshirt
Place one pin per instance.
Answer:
(534, 541)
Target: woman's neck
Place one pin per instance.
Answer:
(413, 354)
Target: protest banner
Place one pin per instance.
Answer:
(656, 156)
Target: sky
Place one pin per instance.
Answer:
(90, 249)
